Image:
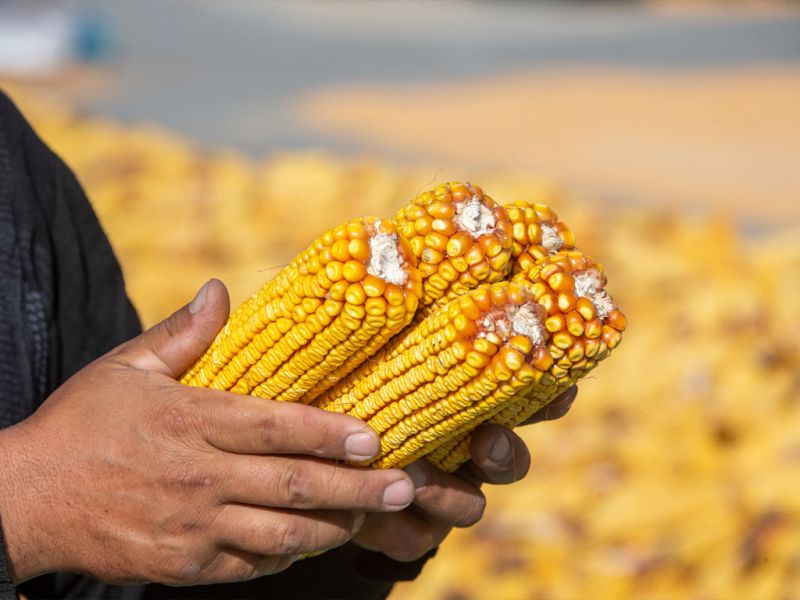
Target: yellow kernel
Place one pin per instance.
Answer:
(443, 226)
(422, 226)
(355, 230)
(375, 306)
(566, 301)
(358, 248)
(554, 323)
(561, 282)
(373, 286)
(339, 250)
(442, 210)
(354, 270)
(431, 256)
(585, 308)
(617, 320)
(436, 241)
(592, 329)
(334, 270)
(574, 323)
(394, 295)
(542, 359)
(355, 294)
(562, 340)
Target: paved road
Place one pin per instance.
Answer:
(198, 67)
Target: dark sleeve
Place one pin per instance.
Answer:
(62, 298)
(345, 573)
(70, 307)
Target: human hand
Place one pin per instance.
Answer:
(127, 475)
(444, 500)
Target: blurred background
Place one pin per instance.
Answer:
(219, 138)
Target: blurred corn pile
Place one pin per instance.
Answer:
(676, 473)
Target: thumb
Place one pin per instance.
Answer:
(173, 345)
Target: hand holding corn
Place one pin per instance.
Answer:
(457, 312)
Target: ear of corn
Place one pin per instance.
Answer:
(461, 238)
(583, 325)
(456, 369)
(349, 292)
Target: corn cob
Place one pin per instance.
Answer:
(584, 327)
(340, 299)
(461, 238)
(457, 368)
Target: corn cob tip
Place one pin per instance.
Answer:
(537, 232)
(590, 284)
(386, 257)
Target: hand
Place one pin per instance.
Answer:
(127, 475)
(443, 500)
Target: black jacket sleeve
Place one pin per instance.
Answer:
(63, 304)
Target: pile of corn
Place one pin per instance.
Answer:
(674, 475)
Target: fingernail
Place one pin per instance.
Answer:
(361, 446)
(417, 474)
(399, 494)
(500, 449)
(200, 299)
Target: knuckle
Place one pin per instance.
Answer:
(180, 569)
(188, 474)
(291, 537)
(176, 419)
(473, 513)
(243, 571)
(294, 483)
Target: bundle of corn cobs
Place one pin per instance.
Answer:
(456, 312)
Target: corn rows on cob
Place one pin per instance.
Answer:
(453, 371)
(583, 326)
(351, 290)
(454, 342)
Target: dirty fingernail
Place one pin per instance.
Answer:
(500, 449)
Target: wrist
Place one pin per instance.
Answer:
(23, 519)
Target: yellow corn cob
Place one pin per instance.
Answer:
(461, 238)
(457, 368)
(583, 326)
(537, 232)
(340, 299)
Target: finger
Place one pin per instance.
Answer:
(231, 564)
(274, 532)
(249, 425)
(402, 536)
(444, 497)
(291, 482)
(498, 455)
(178, 341)
(555, 409)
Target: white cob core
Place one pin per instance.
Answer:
(514, 320)
(550, 239)
(587, 285)
(524, 321)
(384, 259)
(474, 217)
